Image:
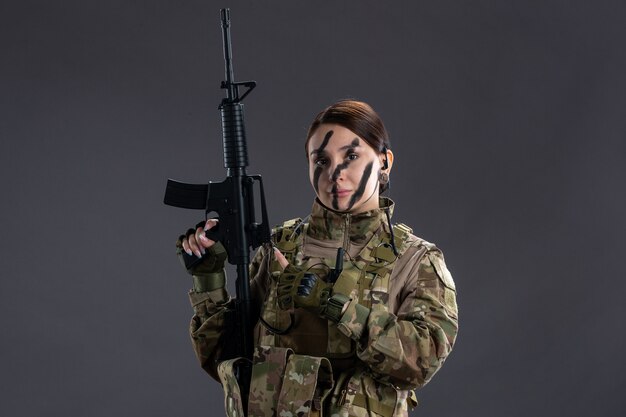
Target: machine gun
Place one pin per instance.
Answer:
(233, 201)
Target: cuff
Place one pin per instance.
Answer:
(208, 282)
(207, 303)
(354, 320)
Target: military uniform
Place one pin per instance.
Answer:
(398, 328)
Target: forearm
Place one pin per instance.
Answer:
(407, 347)
(405, 353)
(207, 327)
(214, 314)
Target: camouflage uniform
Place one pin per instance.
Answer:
(397, 331)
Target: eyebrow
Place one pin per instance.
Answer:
(353, 145)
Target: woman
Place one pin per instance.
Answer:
(369, 307)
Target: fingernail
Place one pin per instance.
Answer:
(198, 254)
(203, 238)
(189, 252)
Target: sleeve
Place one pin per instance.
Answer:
(406, 349)
(211, 321)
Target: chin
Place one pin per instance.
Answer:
(329, 205)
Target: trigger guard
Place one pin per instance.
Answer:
(214, 233)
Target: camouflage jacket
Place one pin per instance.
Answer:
(378, 351)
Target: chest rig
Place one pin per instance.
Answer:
(365, 277)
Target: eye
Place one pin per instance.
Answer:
(352, 156)
(320, 162)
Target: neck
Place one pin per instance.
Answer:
(344, 227)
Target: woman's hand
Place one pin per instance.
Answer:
(301, 289)
(196, 242)
(207, 271)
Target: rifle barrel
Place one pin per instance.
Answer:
(228, 55)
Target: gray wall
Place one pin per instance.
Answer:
(507, 120)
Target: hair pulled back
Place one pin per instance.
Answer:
(360, 118)
(357, 116)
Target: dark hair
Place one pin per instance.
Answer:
(360, 118)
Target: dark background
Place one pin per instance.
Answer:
(508, 124)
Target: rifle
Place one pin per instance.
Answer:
(233, 201)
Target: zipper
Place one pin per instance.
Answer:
(348, 390)
(346, 232)
(342, 397)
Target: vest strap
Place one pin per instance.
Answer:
(232, 394)
(267, 379)
(371, 404)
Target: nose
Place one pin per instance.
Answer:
(335, 171)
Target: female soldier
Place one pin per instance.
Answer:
(367, 332)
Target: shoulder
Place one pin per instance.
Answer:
(422, 258)
(410, 245)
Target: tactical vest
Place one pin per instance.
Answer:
(277, 370)
(365, 278)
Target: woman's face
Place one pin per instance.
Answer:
(343, 169)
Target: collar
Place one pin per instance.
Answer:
(347, 228)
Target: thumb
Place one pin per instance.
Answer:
(281, 258)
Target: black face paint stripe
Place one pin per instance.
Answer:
(362, 184)
(318, 169)
(354, 144)
(316, 179)
(343, 166)
(338, 170)
(325, 141)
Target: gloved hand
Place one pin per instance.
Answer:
(305, 289)
(207, 268)
(301, 289)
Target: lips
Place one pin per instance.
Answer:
(341, 193)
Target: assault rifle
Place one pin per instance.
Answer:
(233, 201)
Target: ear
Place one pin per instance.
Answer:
(388, 156)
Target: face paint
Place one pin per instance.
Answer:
(341, 167)
(338, 170)
(342, 171)
(362, 184)
(318, 170)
